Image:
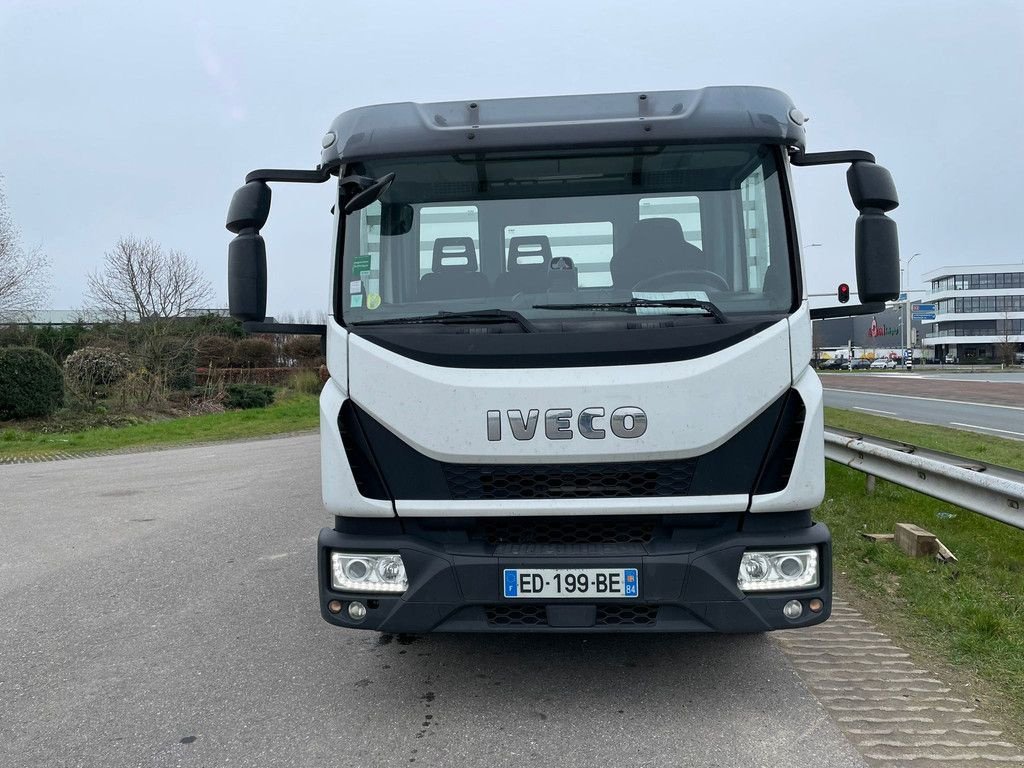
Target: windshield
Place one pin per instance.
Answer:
(554, 236)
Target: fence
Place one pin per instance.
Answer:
(993, 491)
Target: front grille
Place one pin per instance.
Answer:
(568, 530)
(517, 615)
(569, 481)
(612, 615)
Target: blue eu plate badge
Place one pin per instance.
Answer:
(631, 582)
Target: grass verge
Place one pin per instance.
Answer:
(292, 413)
(969, 614)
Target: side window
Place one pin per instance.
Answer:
(446, 221)
(755, 226)
(685, 210)
(587, 243)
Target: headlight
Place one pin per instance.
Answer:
(792, 569)
(368, 573)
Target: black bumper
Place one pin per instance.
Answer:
(685, 586)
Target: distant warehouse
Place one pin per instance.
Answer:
(979, 313)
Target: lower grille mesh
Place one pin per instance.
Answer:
(517, 615)
(610, 615)
(569, 481)
(533, 615)
(566, 530)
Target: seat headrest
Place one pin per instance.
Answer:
(454, 254)
(529, 252)
(656, 246)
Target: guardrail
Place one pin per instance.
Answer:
(990, 490)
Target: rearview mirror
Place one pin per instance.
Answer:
(247, 253)
(247, 277)
(878, 258)
(396, 219)
(871, 186)
(877, 244)
(367, 196)
(250, 207)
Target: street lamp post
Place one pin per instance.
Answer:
(908, 361)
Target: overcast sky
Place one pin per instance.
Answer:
(142, 118)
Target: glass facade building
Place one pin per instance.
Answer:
(979, 313)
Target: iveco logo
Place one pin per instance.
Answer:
(625, 422)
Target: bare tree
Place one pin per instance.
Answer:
(1006, 348)
(24, 274)
(140, 280)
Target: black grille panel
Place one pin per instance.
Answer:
(517, 615)
(568, 530)
(626, 614)
(569, 481)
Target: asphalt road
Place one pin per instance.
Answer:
(995, 420)
(160, 609)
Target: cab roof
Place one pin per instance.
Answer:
(748, 114)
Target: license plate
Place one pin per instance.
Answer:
(571, 582)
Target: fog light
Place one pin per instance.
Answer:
(357, 611)
(351, 572)
(334, 606)
(815, 605)
(791, 610)
(765, 571)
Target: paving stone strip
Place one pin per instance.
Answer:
(64, 455)
(894, 712)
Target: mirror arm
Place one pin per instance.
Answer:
(824, 313)
(831, 158)
(291, 329)
(318, 176)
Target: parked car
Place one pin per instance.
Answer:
(858, 364)
(883, 362)
(832, 364)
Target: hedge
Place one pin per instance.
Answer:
(31, 383)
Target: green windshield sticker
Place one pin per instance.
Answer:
(360, 263)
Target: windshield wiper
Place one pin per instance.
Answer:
(473, 316)
(707, 306)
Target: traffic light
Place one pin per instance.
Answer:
(844, 293)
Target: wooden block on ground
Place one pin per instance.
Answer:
(915, 541)
(944, 555)
(879, 537)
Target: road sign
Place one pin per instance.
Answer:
(903, 297)
(908, 354)
(922, 307)
(923, 315)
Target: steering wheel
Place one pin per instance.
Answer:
(683, 279)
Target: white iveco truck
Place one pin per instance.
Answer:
(569, 348)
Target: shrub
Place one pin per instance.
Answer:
(248, 396)
(306, 381)
(214, 351)
(90, 370)
(31, 383)
(59, 341)
(206, 377)
(255, 353)
(305, 350)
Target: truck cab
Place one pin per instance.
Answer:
(568, 346)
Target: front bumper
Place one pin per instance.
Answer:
(685, 586)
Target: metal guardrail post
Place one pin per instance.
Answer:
(994, 491)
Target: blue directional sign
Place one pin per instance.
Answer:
(922, 307)
(923, 315)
